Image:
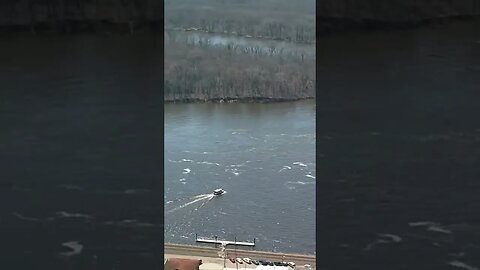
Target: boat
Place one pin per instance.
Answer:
(218, 191)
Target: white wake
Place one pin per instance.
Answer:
(194, 199)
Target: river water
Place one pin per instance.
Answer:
(80, 144)
(263, 155)
(398, 141)
(397, 148)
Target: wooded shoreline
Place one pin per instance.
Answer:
(286, 21)
(237, 100)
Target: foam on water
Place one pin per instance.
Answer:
(463, 265)
(299, 164)
(233, 171)
(393, 237)
(386, 238)
(285, 168)
(197, 198)
(240, 165)
(238, 161)
(299, 183)
(64, 214)
(208, 163)
(374, 243)
(421, 223)
(75, 246)
(431, 226)
(439, 229)
(22, 217)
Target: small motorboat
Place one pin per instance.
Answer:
(218, 191)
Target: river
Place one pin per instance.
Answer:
(80, 152)
(263, 155)
(397, 153)
(398, 142)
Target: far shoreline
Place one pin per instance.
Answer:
(257, 100)
(327, 25)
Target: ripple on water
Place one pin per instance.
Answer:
(463, 265)
(64, 214)
(75, 246)
(431, 226)
(299, 164)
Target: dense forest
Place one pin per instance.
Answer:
(270, 19)
(202, 68)
(203, 73)
(273, 60)
(205, 69)
(276, 19)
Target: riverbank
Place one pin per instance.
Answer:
(237, 100)
(244, 18)
(209, 253)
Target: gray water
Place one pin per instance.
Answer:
(398, 147)
(263, 155)
(80, 152)
(398, 134)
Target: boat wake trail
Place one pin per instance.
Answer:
(198, 198)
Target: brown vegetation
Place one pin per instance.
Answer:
(195, 73)
(274, 19)
(271, 19)
(202, 71)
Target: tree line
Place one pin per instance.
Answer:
(79, 15)
(205, 73)
(279, 20)
(255, 48)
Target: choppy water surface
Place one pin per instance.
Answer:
(399, 141)
(263, 155)
(80, 152)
